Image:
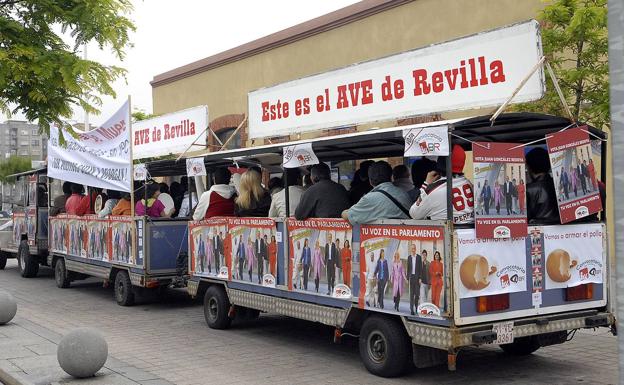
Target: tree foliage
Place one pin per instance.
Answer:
(42, 75)
(14, 165)
(138, 115)
(575, 41)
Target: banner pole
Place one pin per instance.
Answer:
(132, 213)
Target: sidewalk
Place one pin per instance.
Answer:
(28, 357)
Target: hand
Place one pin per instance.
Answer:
(432, 176)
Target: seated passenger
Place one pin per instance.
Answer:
(73, 203)
(325, 198)
(58, 206)
(186, 207)
(253, 200)
(42, 195)
(431, 204)
(540, 192)
(420, 169)
(111, 202)
(166, 199)
(219, 200)
(384, 201)
(87, 202)
(401, 178)
(295, 191)
(275, 185)
(153, 207)
(360, 184)
(123, 206)
(177, 194)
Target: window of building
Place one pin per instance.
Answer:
(224, 135)
(35, 131)
(23, 153)
(24, 132)
(24, 144)
(34, 142)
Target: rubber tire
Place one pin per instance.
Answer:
(216, 308)
(397, 353)
(61, 275)
(124, 292)
(521, 346)
(27, 264)
(3, 260)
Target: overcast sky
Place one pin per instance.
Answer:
(173, 33)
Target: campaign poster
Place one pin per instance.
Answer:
(58, 234)
(574, 173)
(402, 269)
(490, 266)
(321, 257)
(121, 237)
(99, 239)
(500, 188)
(208, 245)
(253, 257)
(25, 223)
(78, 239)
(574, 255)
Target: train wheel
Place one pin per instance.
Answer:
(3, 260)
(385, 347)
(216, 308)
(61, 275)
(124, 294)
(27, 264)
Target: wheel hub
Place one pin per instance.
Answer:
(377, 346)
(213, 308)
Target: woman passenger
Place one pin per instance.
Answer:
(253, 200)
(436, 270)
(111, 202)
(152, 207)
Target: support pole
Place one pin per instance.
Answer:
(134, 250)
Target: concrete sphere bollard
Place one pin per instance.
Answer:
(8, 307)
(82, 352)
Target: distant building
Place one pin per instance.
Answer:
(21, 138)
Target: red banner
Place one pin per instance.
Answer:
(499, 183)
(574, 174)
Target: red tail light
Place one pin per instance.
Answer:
(578, 293)
(493, 303)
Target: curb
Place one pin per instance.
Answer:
(8, 378)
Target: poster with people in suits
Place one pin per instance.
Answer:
(121, 238)
(58, 234)
(78, 239)
(402, 269)
(253, 255)
(499, 190)
(574, 173)
(322, 259)
(99, 239)
(209, 243)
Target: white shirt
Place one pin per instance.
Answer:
(185, 210)
(432, 201)
(278, 202)
(167, 201)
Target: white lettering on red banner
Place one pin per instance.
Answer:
(476, 71)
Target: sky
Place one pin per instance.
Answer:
(170, 34)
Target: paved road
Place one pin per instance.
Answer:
(169, 339)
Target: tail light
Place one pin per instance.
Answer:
(578, 293)
(493, 303)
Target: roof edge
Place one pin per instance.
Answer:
(332, 20)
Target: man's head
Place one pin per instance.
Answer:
(537, 161)
(364, 167)
(329, 237)
(77, 188)
(222, 175)
(420, 169)
(379, 172)
(506, 179)
(67, 188)
(320, 172)
(164, 188)
(399, 172)
(413, 249)
(293, 176)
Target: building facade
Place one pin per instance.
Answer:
(21, 138)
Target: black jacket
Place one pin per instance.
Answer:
(258, 208)
(541, 200)
(325, 199)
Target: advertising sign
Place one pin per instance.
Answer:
(402, 269)
(59, 235)
(209, 248)
(195, 166)
(472, 72)
(490, 266)
(322, 259)
(499, 185)
(254, 250)
(99, 239)
(574, 173)
(97, 158)
(426, 141)
(170, 134)
(299, 155)
(140, 171)
(574, 255)
(25, 223)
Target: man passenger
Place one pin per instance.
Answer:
(325, 198)
(58, 206)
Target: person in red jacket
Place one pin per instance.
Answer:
(219, 200)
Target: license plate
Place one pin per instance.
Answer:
(504, 332)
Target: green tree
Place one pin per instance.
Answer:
(41, 74)
(138, 115)
(13, 165)
(574, 37)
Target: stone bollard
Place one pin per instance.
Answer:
(82, 352)
(8, 307)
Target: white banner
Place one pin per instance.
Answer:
(140, 171)
(574, 255)
(97, 158)
(426, 141)
(170, 134)
(473, 72)
(195, 166)
(299, 155)
(490, 266)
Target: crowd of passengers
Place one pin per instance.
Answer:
(377, 191)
